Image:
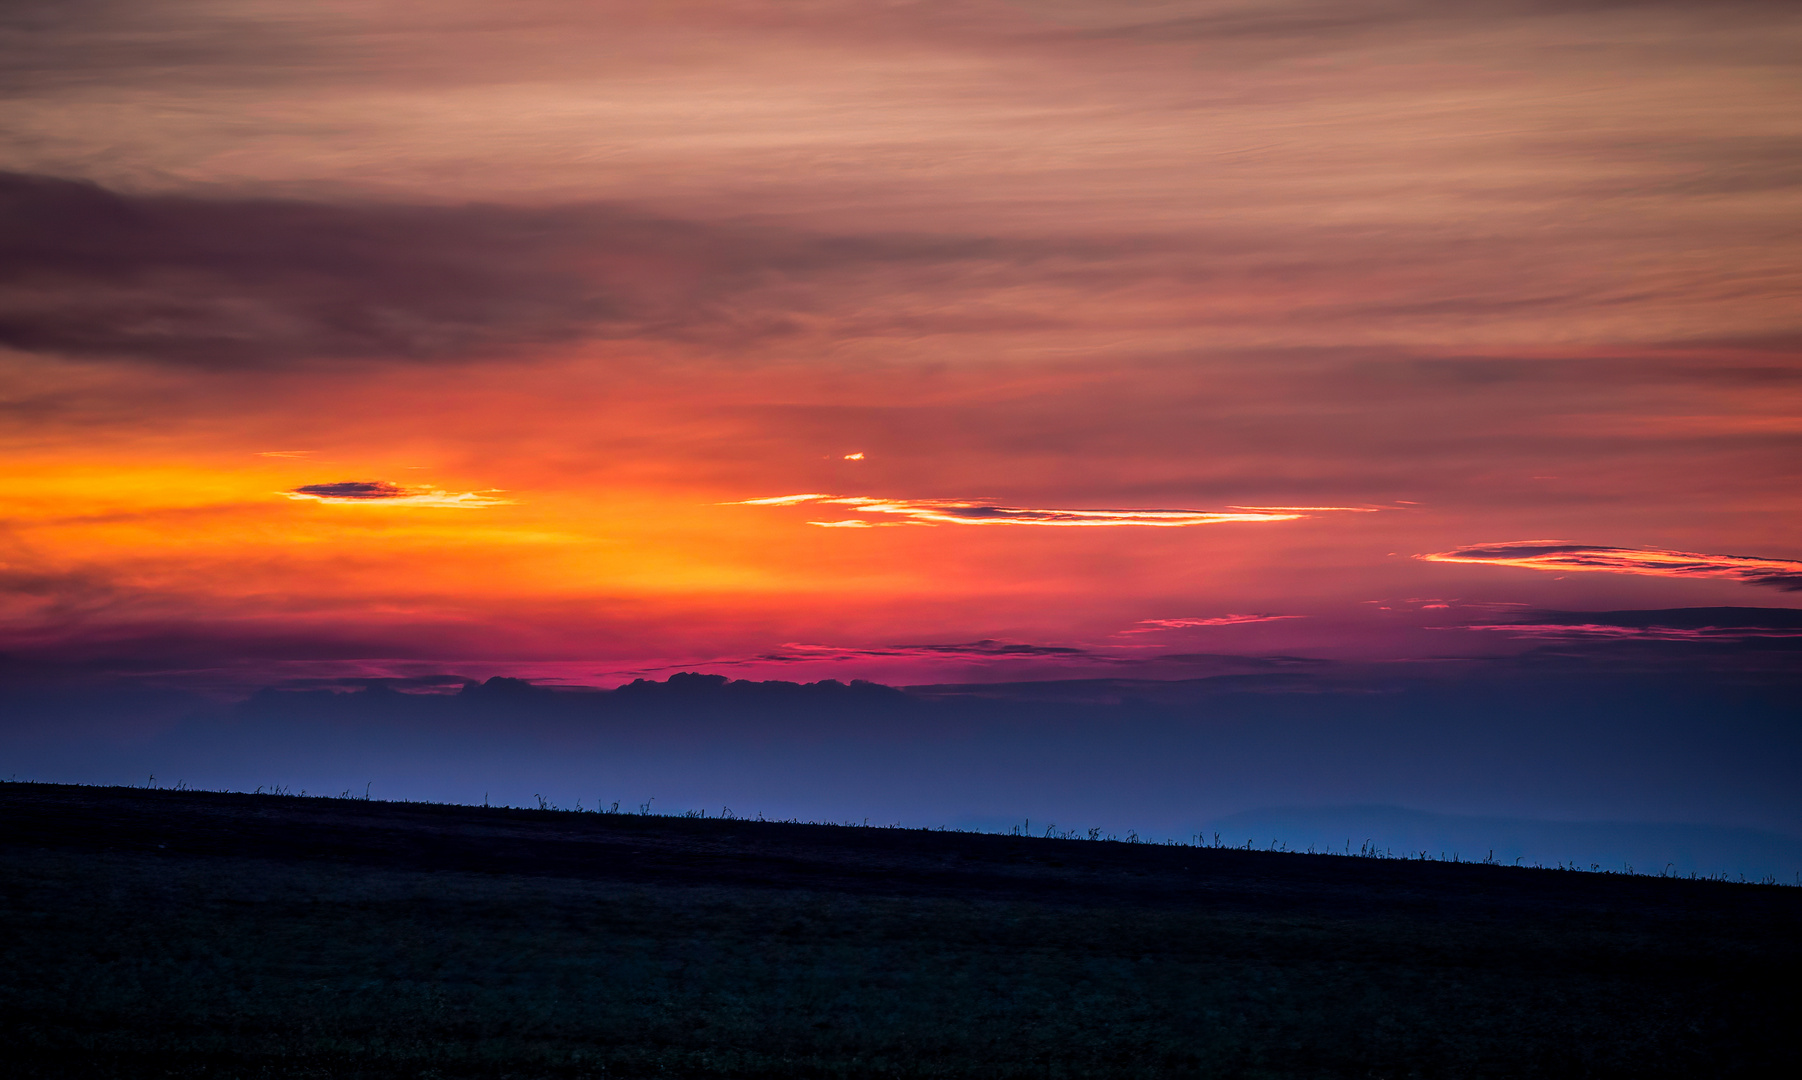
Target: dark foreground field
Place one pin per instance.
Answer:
(160, 933)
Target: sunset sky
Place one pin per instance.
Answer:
(930, 342)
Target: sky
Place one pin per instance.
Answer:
(926, 343)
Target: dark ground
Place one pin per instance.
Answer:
(193, 934)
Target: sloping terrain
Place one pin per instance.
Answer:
(163, 933)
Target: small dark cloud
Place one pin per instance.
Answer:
(381, 491)
(354, 489)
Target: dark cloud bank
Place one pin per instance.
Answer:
(226, 283)
(219, 282)
(1545, 764)
(259, 283)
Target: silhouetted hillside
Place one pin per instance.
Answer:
(153, 933)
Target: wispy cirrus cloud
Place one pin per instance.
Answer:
(381, 492)
(1559, 556)
(979, 512)
(1725, 624)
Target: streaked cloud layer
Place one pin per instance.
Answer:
(278, 283)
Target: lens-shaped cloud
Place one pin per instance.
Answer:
(381, 492)
(1556, 555)
(968, 512)
(1149, 626)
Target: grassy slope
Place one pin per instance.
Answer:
(161, 933)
